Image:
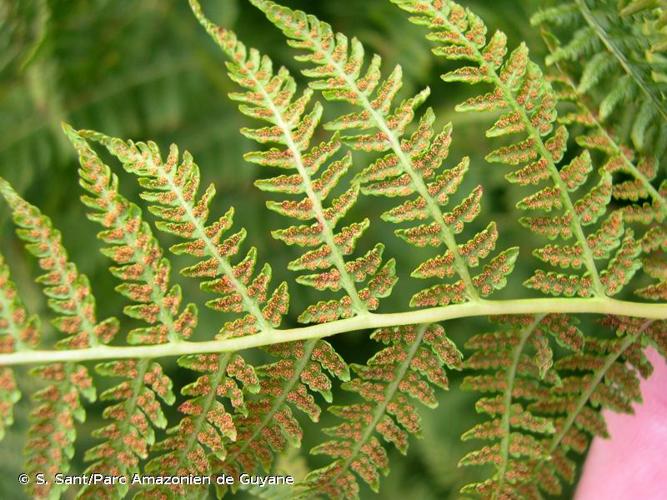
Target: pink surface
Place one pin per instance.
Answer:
(632, 465)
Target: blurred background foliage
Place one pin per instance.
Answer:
(146, 70)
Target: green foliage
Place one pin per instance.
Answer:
(252, 369)
(405, 370)
(527, 104)
(618, 48)
(271, 98)
(626, 43)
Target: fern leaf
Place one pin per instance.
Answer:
(605, 376)
(202, 435)
(405, 370)
(144, 274)
(208, 425)
(528, 102)
(515, 432)
(68, 292)
(18, 331)
(52, 431)
(411, 166)
(257, 423)
(270, 425)
(559, 403)
(172, 189)
(647, 205)
(271, 96)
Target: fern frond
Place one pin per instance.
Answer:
(68, 292)
(270, 425)
(257, 424)
(411, 166)
(205, 430)
(604, 376)
(562, 400)
(272, 97)
(545, 386)
(619, 49)
(520, 358)
(647, 203)
(546, 409)
(172, 189)
(52, 431)
(18, 331)
(635, 169)
(142, 267)
(407, 369)
(202, 435)
(527, 103)
(144, 274)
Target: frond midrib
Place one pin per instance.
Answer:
(594, 382)
(338, 261)
(482, 307)
(381, 409)
(507, 402)
(200, 420)
(327, 231)
(130, 408)
(224, 265)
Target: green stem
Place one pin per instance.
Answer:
(273, 336)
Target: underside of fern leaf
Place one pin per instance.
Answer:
(389, 384)
(253, 373)
(410, 166)
(633, 153)
(273, 98)
(544, 409)
(528, 107)
(52, 432)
